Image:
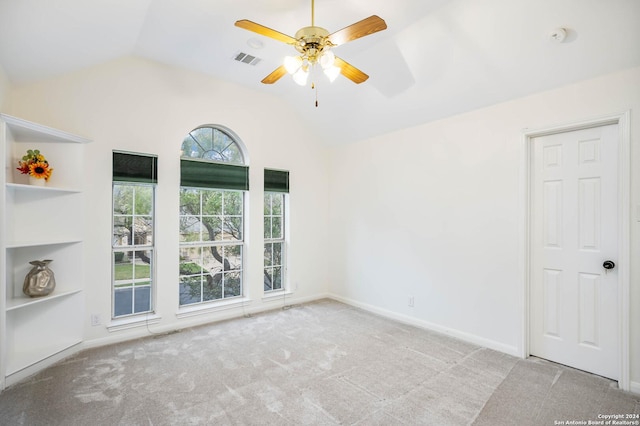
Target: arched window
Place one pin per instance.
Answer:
(215, 143)
(213, 179)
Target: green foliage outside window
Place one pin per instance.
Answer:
(211, 233)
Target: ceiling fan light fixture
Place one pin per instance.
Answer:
(292, 63)
(332, 73)
(301, 76)
(327, 59)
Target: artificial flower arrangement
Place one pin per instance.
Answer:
(35, 165)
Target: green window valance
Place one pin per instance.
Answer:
(276, 180)
(207, 174)
(129, 167)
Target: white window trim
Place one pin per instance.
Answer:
(134, 316)
(133, 321)
(206, 304)
(278, 294)
(208, 307)
(285, 287)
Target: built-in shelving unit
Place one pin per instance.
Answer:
(39, 223)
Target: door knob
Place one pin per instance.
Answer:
(608, 264)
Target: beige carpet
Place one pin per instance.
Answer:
(322, 363)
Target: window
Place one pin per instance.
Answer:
(273, 240)
(213, 143)
(210, 244)
(134, 179)
(213, 182)
(276, 186)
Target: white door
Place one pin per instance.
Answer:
(574, 202)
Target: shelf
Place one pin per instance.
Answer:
(23, 187)
(27, 131)
(25, 244)
(24, 301)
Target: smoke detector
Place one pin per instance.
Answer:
(557, 35)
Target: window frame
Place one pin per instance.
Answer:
(134, 248)
(219, 174)
(283, 240)
(201, 243)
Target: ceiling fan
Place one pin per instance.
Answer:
(314, 46)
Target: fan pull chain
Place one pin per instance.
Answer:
(314, 87)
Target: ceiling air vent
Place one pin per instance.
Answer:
(246, 58)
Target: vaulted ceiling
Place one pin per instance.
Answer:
(437, 57)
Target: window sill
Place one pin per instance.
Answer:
(132, 322)
(276, 295)
(206, 308)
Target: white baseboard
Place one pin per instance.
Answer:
(634, 387)
(467, 337)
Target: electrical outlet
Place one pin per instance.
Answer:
(95, 320)
(411, 301)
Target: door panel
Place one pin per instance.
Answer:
(589, 285)
(551, 305)
(573, 299)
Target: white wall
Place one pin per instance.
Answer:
(4, 90)
(136, 105)
(434, 212)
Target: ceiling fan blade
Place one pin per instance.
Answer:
(275, 75)
(367, 26)
(351, 72)
(265, 31)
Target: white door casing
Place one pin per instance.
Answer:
(573, 232)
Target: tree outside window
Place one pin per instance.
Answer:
(211, 246)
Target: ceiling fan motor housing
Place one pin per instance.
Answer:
(312, 41)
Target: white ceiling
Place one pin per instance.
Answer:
(437, 57)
